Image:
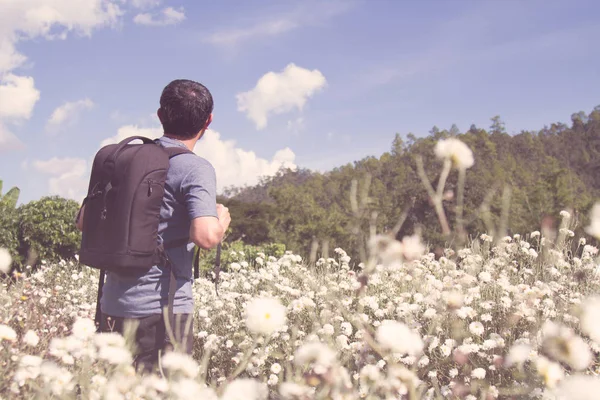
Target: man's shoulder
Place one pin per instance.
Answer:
(190, 160)
(185, 160)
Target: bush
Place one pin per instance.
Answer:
(47, 229)
(238, 251)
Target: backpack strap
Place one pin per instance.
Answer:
(176, 150)
(217, 268)
(98, 317)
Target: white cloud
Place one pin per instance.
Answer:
(267, 28)
(132, 130)
(18, 96)
(24, 20)
(238, 167)
(168, 16)
(233, 165)
(68, 113)
(308, 13)
(8, 141)
(144, 4)
(278, 93)
(68, 176)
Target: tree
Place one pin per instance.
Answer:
(47, 229)
(498, 125)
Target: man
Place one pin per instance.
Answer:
(188, 208)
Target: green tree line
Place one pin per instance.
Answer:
(546, 171)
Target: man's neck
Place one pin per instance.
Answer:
(189, 143)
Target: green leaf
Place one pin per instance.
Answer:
(11, 198)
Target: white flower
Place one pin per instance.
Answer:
(7, 333)
(188, 389)
(534, 234)
(276, 368)
(456, 151)
(156, 383)
(316, 354)
(273, 380)
(518, 354)
(29, 368)
(579, 387)
(328, 329)
(183, 363)
(84, 328)
(5, 260)
(59, 379)
(453, 299)
(109, 339)
(245, 389)
(486, 238)
(399, 338)
(31, 338)
(387, 249)
(590, 318)
(476, 328)
(550, 371)
(412, 248)
(265, 316)
(478, 373)
(485, 276)
(489, 344)
(294, 391)
(562, 344)
(115, 355)
(533, 253)
(346, 328)
(565, 214)
(594, 228)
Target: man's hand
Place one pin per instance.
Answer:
(224, 216)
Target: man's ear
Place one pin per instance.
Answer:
(159, 114)
(208, 121)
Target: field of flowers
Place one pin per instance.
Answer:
(511, 317)
(513, 320)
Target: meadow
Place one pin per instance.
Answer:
(495, 317)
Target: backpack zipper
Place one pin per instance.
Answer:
(150, 182)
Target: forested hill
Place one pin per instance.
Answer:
(547, 171)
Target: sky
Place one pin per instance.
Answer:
(300, 84)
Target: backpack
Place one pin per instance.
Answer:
(122, 207)
(122, 211)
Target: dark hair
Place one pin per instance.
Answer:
(185, 107)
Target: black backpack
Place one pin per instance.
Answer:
(122, 210)
(122, 207)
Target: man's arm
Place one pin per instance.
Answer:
(207, 232)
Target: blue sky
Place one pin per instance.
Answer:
(339, 78)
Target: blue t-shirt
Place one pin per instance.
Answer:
(190, 192)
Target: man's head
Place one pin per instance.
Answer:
(185, 109)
